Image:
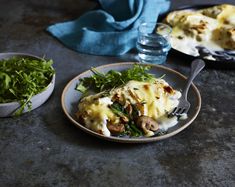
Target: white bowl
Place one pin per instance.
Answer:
(8, 109)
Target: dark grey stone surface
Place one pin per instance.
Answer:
(42, 148)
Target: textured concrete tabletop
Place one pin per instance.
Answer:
(43, 149)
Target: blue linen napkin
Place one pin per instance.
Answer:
(111, 30)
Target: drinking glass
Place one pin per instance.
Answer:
(153, 42)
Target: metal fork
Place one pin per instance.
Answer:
(196, 66)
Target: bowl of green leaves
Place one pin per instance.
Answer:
(26, 82)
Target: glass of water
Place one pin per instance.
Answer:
(153, 42)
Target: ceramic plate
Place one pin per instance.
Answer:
(70, 98)
(223, 59)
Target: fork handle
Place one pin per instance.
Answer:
(196, 66)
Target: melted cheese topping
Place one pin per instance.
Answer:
(95, 113)
(154, 100)
(153, 96)
(212, 28)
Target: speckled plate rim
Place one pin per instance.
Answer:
(130, 140)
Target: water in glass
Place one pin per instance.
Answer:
(152, 47)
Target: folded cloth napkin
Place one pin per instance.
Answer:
(111, 30)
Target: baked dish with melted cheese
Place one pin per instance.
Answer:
(212, 28)
(135, 108)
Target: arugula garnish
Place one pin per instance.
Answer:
(22, 78)
(112, 79)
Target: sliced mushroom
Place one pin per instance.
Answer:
(116, 128)
(147, 123)
(129, 109)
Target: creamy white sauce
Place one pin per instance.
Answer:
(204, 28)
(165, 123)
(105, 130)
(105, 101)
(183, 116)
(176, 96)
(188, 46)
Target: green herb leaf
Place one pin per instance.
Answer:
(81, 88)
(22, 78)
(118, 109)
(132, 130)
(100, 82)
